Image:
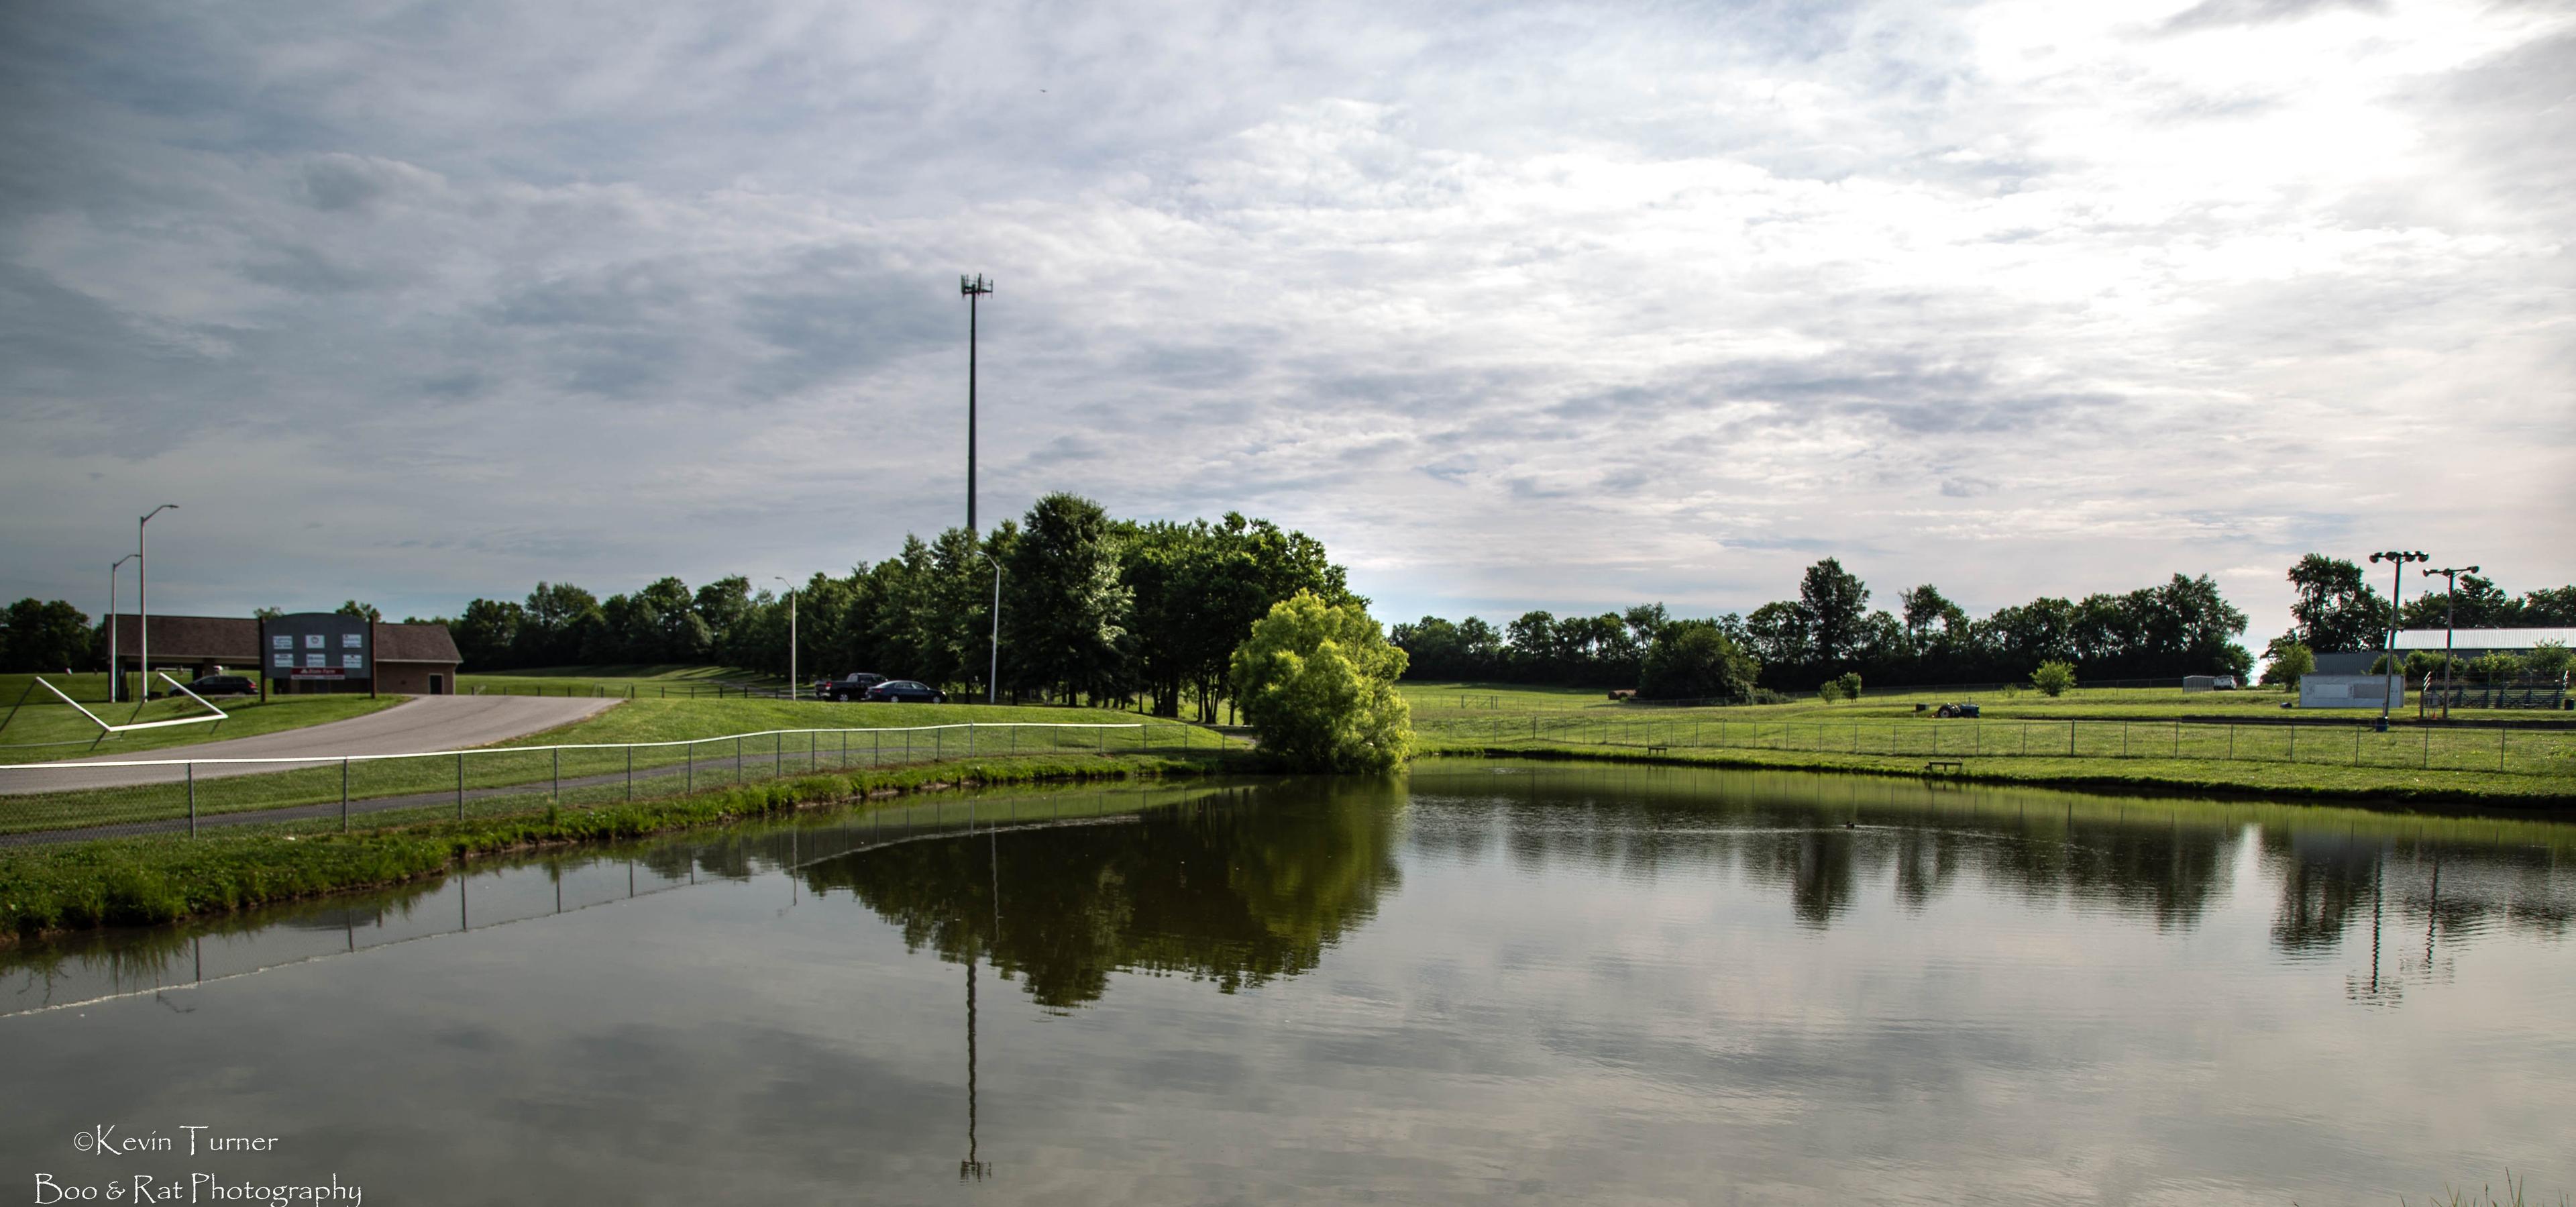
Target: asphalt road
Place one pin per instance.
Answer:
(421, 724)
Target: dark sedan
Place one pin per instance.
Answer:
(907, 692)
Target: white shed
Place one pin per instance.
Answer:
(2352, 691)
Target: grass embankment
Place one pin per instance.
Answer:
(1462, 700)
(2199, 777)
(43, 735)
(143, 881)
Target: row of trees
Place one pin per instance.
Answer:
(1091, 606)
(2180, 627)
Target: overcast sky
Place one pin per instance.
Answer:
(1512, 306)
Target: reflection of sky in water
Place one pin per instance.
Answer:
(1553, 982)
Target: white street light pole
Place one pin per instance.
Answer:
(115, 676)
(791, 635)
(143, 601)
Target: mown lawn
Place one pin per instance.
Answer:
(42, 735)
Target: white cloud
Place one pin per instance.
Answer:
(1528, 308)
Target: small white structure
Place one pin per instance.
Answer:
(2352, 691)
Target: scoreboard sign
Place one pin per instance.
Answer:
(317, 645)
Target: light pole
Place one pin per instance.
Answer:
(973, 291)
(791, 635)
(2396, 559)
(142, 600)
(993, 674)
(115, 675)
(2450, 625)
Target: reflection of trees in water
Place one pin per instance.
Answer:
(2147, 863)
(2436, 887)
(2167, 861)
(1234, 895)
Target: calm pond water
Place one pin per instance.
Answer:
(1489, 980)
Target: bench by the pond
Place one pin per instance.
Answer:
(1953, 765)
(1657, 748)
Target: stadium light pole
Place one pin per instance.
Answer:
(142, 600)
(2396, 559)
(791, 635)
(973, 291)
(993, 673)
(2450, 624)
(115, 677)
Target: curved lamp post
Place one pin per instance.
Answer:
(115, 674)
(142, 601)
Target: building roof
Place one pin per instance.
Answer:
(235, 640)
(416, 643)
(192, 638)
(2482, 639)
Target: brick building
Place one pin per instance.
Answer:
(407, 659)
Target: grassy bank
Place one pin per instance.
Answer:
(2251, 706)
(43, 735)
(2197, 777)
(142, 881)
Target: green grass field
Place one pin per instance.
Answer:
(43, 735)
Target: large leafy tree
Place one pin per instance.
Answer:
(1695, 660)
(45, 636)
(1065, 609)
(1317, 683)
(2334, 609)
(1837, 603)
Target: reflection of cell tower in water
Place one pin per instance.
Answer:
(971, 1168)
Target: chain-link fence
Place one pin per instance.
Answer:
(56, 802)
(2488, 748)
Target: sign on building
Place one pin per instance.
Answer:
(322, 646)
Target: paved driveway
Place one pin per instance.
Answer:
(423, 723)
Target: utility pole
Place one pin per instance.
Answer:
(143, 602)
(2397, 559)
(973, 291)
(2450, 627)
(115, 674)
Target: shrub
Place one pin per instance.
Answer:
(1850, 685)
(1830, 690)
(2290, 659)
(1317, 684)
(2548, 658)
(2497, 667)
(2053, 678)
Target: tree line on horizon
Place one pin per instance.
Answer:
(2180, 627)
